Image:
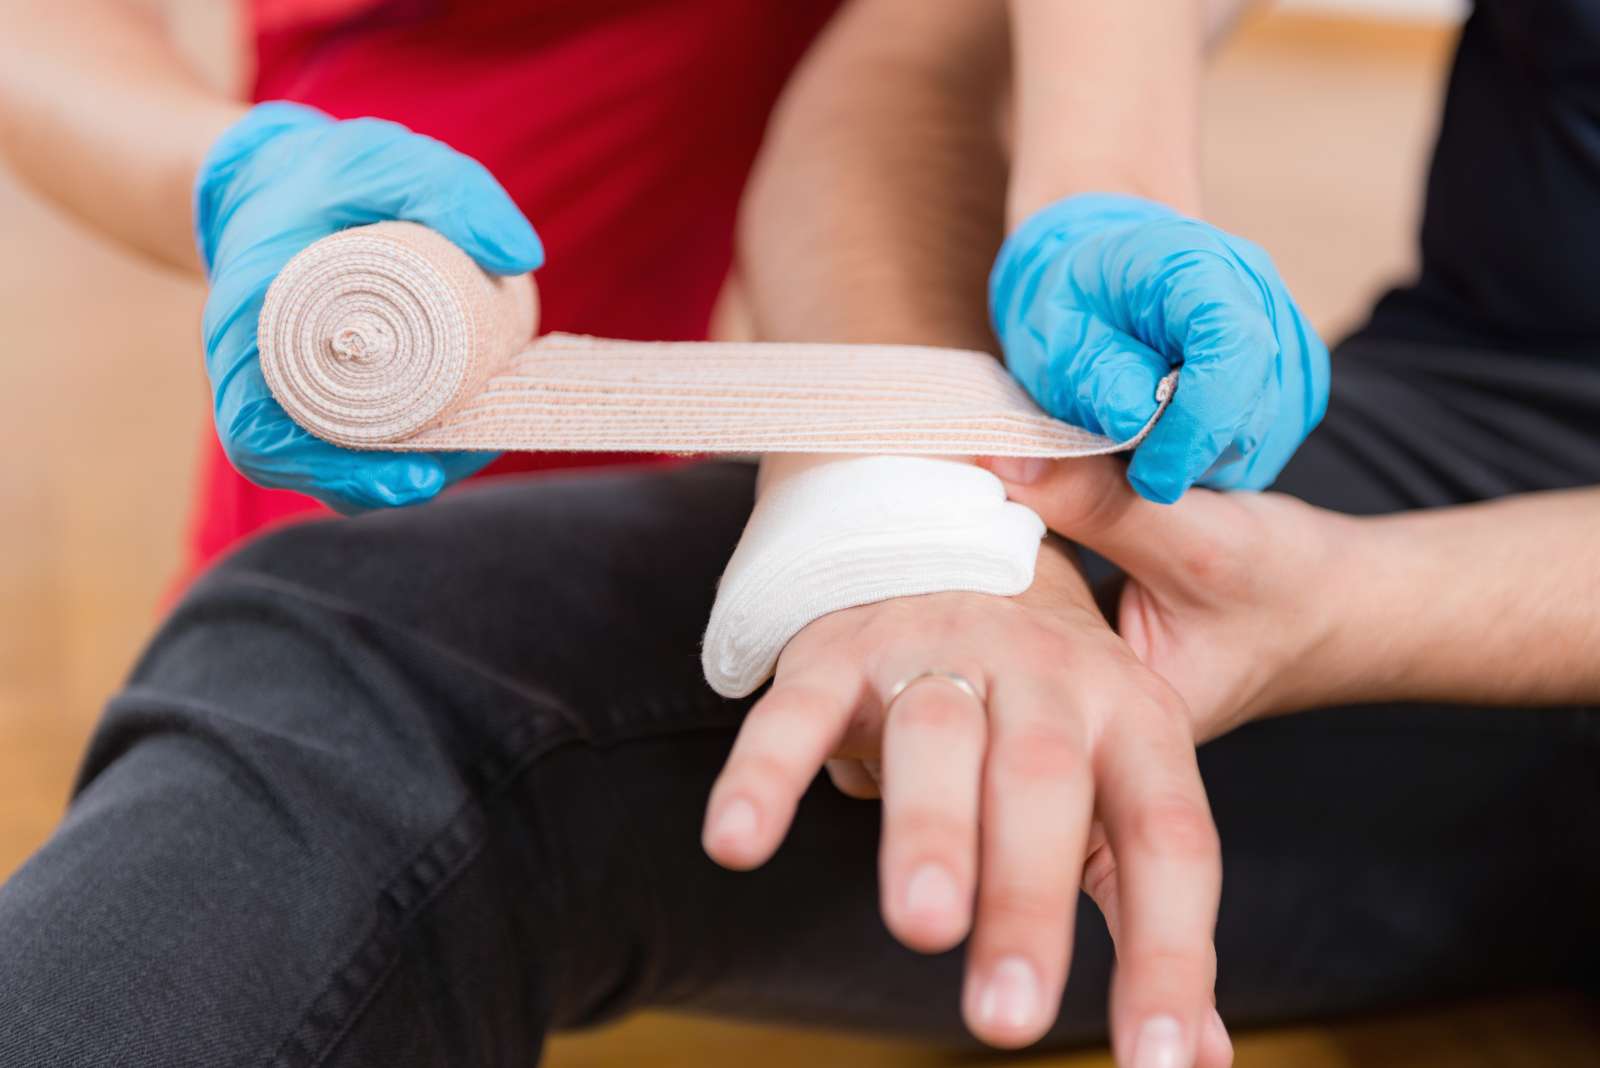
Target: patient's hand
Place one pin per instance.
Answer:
(1234, 598)
(1005, 803)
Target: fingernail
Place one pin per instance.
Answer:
(1011, 1000)
(1219, 1030)
(1160, 1044)
(1022, 470)
(736, 820)
(932, 891)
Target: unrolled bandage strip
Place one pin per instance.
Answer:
(389, 337)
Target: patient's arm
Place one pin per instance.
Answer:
(1257, 603)
(1496, 602)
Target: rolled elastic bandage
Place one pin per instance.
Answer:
(830, 533)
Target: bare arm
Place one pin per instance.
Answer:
(1107, 99)
(101, 113)
(1495, 603)
(1251, 604)
(876, 206)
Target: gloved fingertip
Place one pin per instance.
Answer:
(1159, 489)
(1128, 402)
(400, 482)
(513, 247)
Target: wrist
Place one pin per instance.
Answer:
(1177, 189)
(240, 134)
(1350, 653)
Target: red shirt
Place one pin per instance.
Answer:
(624, 129)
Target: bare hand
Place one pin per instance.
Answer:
(1230, 597)
(1076, 752)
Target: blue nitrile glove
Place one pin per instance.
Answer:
(1097, 296)
(280, 178)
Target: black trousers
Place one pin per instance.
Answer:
(416, 788)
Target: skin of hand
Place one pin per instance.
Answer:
(1077, 769)
(1099, 295)
(1253, 604)
(1230, 597)
(276, 181)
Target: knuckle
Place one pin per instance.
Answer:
(796, 699)
(927, 829)
(1035, 646)
(881, 625)
(763, 773)
(1038, 754)
(1097, 505)
(1179, 968)
(1205, 561)
(1166, 706)
(1176, 827)
(937, 709)
(1030, 904)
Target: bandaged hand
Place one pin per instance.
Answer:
(1233, 598)
(279, 179)
(990, 802)
(1097, 296)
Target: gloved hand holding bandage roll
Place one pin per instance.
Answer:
(389, 337)
(278, 180)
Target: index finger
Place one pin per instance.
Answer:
(783, 743)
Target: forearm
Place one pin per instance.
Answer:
(101, 114)
(1487, 603)
(875, 209)
(1107, 99)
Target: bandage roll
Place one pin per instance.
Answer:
(382, 331)
(390, 337)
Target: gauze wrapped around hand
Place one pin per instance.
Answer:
(833, 532)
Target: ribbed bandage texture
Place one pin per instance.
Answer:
(390, 337)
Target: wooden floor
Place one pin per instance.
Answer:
(1315, 141)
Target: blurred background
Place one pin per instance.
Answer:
(1319, 118)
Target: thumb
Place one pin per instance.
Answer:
(484, 220)
(457, 196)
(1088, 499)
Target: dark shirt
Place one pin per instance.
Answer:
(1511, 227)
